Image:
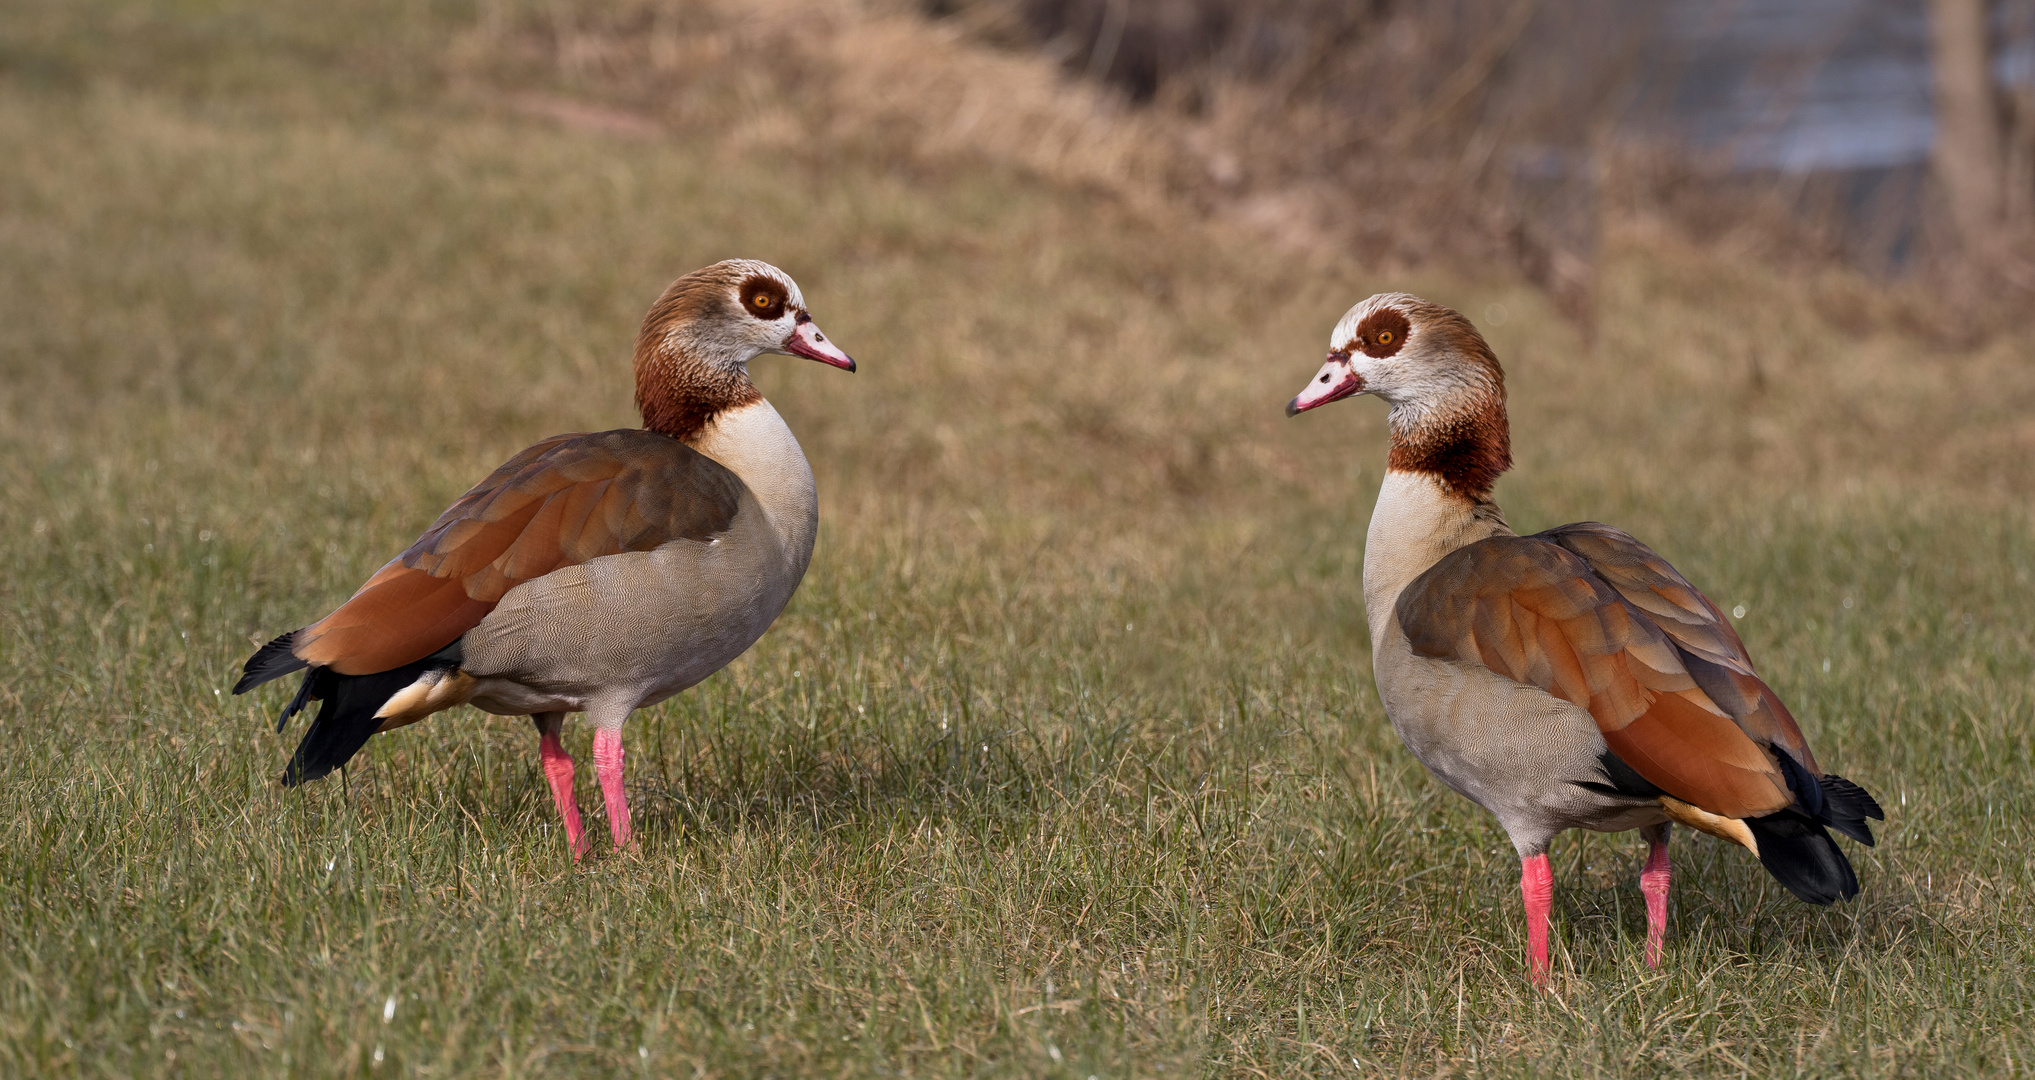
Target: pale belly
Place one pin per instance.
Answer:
(1513, 749)
(629, 630)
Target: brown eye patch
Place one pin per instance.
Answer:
(764, 298)
(1383, 332)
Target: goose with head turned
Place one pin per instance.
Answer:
(593, 573)
(1568, 679)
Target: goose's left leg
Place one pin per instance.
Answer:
(608, 767)
(1537, 890)
(1653, 884)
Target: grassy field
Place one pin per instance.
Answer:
(1065, 761)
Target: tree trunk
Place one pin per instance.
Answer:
(1970, 155)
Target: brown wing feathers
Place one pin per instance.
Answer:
(1710, 649)
(399, 616)
(564, 501)
(1533, 611)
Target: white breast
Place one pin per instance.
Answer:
(754, 443)
(1415, 523)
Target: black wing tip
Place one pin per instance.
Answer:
(272, 661)
(1831, 800)
(1839, 790)
(1846, 806)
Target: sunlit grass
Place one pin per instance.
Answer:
(1065, 760)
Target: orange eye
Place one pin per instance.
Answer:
(761, 300)
(1384, 337)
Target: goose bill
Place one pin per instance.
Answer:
(1335, 381)
(807, 341)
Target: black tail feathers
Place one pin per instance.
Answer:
(1801, 856)
(1794, 846)
(346, 717)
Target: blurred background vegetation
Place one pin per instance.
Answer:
(1893, 135)
(1065, 759)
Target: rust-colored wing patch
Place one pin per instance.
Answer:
(1533, 611)
(564, 501)
(1710, 648)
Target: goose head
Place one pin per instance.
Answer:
(1443, 383)
(693, 353)
(1413, 353)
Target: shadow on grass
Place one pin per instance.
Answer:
(963, 769)
(1722, 894)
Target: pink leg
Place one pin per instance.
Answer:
(608, 766)
(558, 770)
(1537, 889)
(1653, 883)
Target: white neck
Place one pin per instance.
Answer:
(1415, 523)
(752, 441)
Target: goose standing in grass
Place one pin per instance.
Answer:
(591, 573)
(1570, 679)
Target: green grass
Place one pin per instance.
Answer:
(1065, 761)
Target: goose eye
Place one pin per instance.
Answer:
(761, 300)
(1384, 337)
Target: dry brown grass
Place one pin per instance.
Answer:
(815, 78)
(821, 76)
(1821, 365)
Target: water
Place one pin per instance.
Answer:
(1799, 86)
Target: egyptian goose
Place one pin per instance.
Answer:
(1569, 679)
(591, 573)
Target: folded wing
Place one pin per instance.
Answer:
(1710, 649)
(564, 501)
(1537, 611)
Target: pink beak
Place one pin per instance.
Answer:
(1336, 381)
(807, 341)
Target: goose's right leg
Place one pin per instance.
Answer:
(1653, 884)
(558, 770)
